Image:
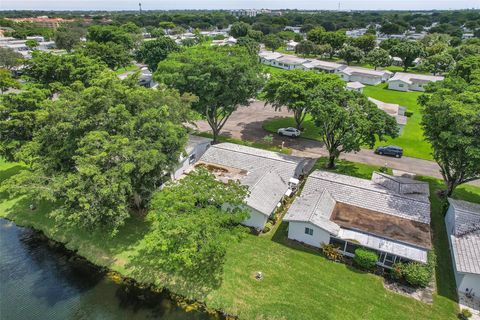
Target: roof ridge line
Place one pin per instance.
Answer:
(373, 190)
(282, 160)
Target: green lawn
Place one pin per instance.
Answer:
(411, 139)
(131, 67)
(298, 282)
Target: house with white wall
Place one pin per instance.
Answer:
(194, 150)
(463, 228)
(403, 81)
(394, 110)
(389, 215)
(269, 57)
(364, 75)
(324, 66)
(291, 45)
(266, 174)
(355, 86)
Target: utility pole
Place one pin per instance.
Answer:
(140, 6)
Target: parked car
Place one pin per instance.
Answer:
(289, 132)
(395, 151)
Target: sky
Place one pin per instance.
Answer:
(226, 4)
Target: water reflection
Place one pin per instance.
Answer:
(40, 281)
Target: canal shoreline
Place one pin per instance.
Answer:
(143, 289)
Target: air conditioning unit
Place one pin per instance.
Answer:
(292, 187)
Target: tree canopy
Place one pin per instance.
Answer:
(112, 54)
(451, 123)
(408, 52)
(223, 78)
(192, 227)
(154, 51)
(9, 58)
(296, 90)
(378, 58)
(347, 121)
(100, 152)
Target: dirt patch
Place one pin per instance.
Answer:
(381, 224)
(424, 295)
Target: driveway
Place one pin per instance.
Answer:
(246, 124)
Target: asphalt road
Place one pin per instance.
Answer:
(246, 124)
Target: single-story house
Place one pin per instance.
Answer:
(463, 228)
(291, 45)
(289, 62)
(393, 109)
(389, 215)
(403, 81)
(325, 66)
(355, 86)
(269, 57)
(397, 61)
(364, 75)
(196, 147)
(227, 41)
(266, 174)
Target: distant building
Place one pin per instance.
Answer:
(244, 13)
(364, 75)
(291, 45)
(403, 81)
(355, 86)
(43, 21)
(394, 110)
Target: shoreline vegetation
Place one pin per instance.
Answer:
(299, 283)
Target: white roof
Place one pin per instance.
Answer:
(365, 71)
(385, 245)
(355, 85)
(465, 238)
(269, 55)
(194, 141)
(411, 77)
(392, 109)
(266, 173)
(290, 59)
(324, 65)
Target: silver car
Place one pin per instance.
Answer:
(289, 132)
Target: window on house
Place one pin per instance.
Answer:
(351, 247)
(308, 231)
(389, 260)
(400, 85)
(191, 159)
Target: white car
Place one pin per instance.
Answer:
(289, 132)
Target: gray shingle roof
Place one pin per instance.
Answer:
(267, 173)
(194, 141)
(465, 239)
(324, 189)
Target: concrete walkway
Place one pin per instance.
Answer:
(246, 124)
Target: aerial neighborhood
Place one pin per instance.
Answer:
(239, 163)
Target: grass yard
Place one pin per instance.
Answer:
(411, 139)
(131, 67)
(298, 282)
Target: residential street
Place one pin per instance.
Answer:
(246, 124)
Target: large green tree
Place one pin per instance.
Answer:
(9, 58)
(296, 90)
(451, 123)
(192, 229)
(100, 152)
(154, 51)
(272, 42)
(110, 33)
(46, 68)
(68, 38)
(223, 78)
(346, 121)
(20, 115)
(378, 58)
(407, 51)
(239, 29)
(437, 63)
(350, 53)
(6, 81)
(112, 54)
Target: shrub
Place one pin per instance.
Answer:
(465, 314)
(397, 271)
(331, 252)
(408, 113)
(268, 227)
(417, 274)
(365, 259)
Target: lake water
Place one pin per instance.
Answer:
(38, 281)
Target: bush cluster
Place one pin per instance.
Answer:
(416, 274)
(365, 259)
(331, 252)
